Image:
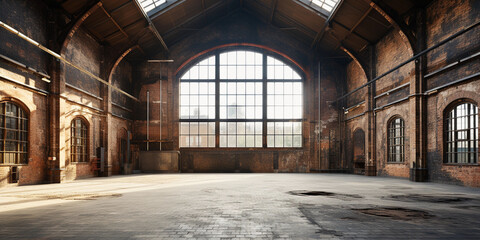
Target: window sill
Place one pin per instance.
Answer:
(240, 149)
(12, 164)
(461, 164)
(396, 163)
(80, 163)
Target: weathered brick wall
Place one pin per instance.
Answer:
(438, 171)
(75, 170)
(122, 78)
(239, 28)
(118, 131)
(86, 53)
(353, 121)
(351, 126)
(28, 17)
(385, 168)
(355, 78)
(391, 51)
(445, 18)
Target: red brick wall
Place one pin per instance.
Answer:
(28, 17)
(35, 170)
(253, 32)
(384, 168)
(445, 18)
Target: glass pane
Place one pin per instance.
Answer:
(258, 141)
(250, 141)
(202, 128)
(223, 140)
(270, 141)
(297, 141)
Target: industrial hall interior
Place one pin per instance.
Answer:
(381, 88)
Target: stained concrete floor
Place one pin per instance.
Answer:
(243, 206)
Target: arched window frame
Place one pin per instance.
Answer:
(396, 140)
(468, 135)
(79, 142)
(267, 138)
(14, 133)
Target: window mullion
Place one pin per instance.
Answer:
(264, 97)
(217, 100)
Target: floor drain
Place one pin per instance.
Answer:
(396, 213)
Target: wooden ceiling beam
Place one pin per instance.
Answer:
(272, 12)
(369, 17)
(393, 18)
(303, 28)
(151, 26)
(189, 20)
(320, 34)
(121, 7)
(120, 28)
(125, 28)
(354, 27)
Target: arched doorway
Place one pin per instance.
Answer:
(124, 151)
(359, 151)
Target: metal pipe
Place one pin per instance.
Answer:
(319, 117)
(353, 117)
(160, 137)
(459, 33)
(56, 55)
(354, 106)
(83, 91)
(452, 64)
(160, 60)
(433, 90)
(148, 118)
(392, 90)
(43, 75)
(34, 89)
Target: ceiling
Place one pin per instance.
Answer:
(353, 26)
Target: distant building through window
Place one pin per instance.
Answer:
(241, 98)
(461, 134)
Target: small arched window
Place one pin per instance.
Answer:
(461, 134)
(78, 146)
(396, 140)
(13, 134)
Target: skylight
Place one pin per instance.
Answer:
(327, 5)
(149, 5)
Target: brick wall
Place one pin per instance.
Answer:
(445, 18)
(250, 31)
(30, 19)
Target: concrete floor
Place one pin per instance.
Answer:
(243, 206)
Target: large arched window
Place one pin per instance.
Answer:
(78, 140)
(241, 99)
(396, 140)
(461, 134)
(13, 134)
